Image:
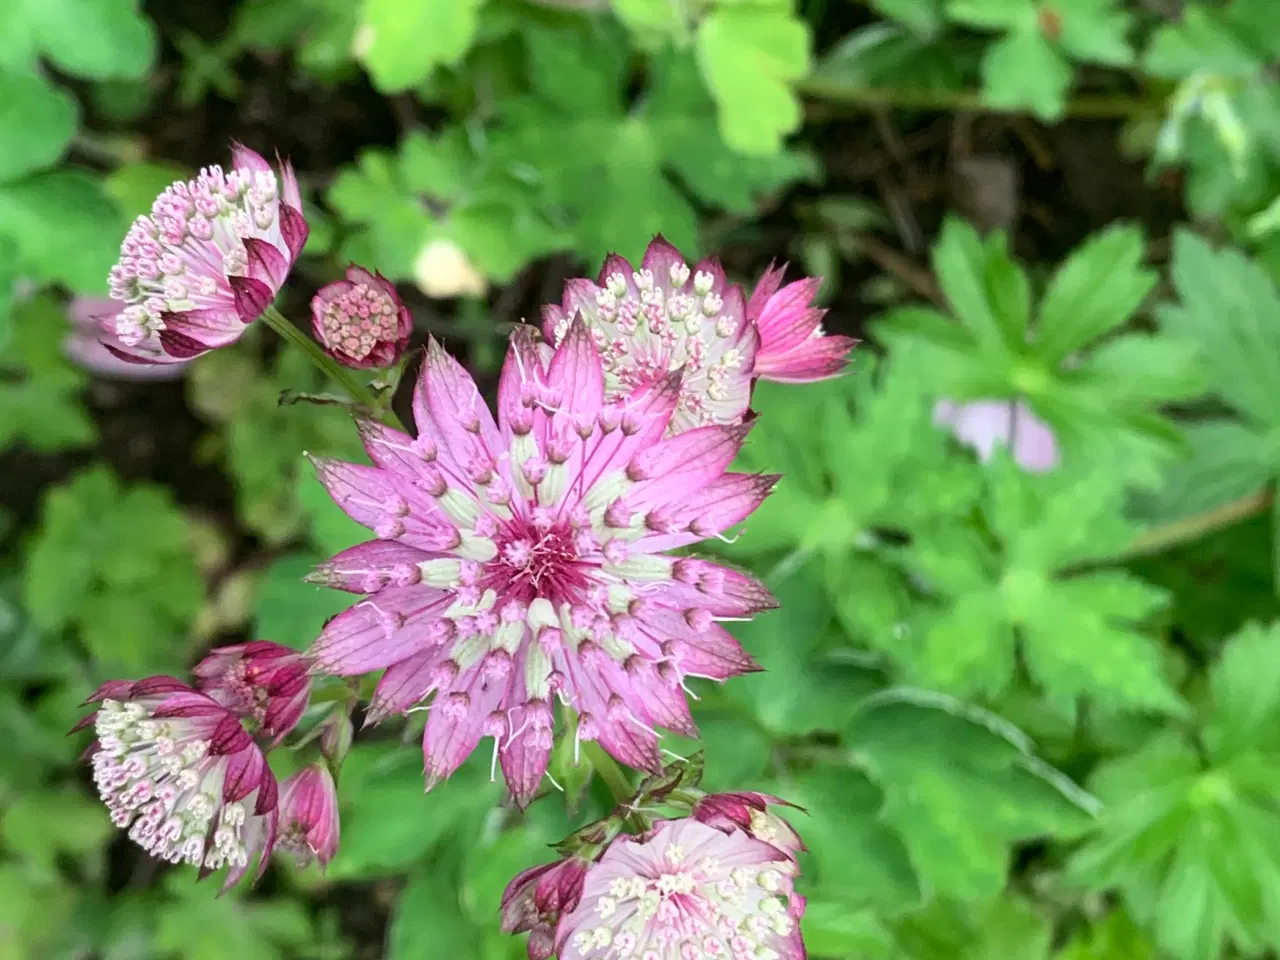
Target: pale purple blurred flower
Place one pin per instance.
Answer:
(309, 826)
(85, 344)
(528, 559)
(985, 424)
(178, 770)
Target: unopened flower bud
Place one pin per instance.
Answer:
(361, 321)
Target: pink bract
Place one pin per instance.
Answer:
(793, 346)
(262, 682)
(525, 559)
(360, 321)
(309, 826)
(686, 890)
(536, 899)
(208, 260)
(178, 771)
(87, 344)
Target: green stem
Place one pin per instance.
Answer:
(862, 97)
(315, 353)
(609, 771)
(1168, 535)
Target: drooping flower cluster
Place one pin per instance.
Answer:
(528, 558)
(208, 260)
(704, 886)
(360, 320)
(668, 316)
(177, 769)
(180, 768)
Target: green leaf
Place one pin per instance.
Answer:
(290, 611)
(1202, 41)
(428, 921)
(960, 787)
(1024, 70)
(116, 563)
(1227, 461)
(67, 230)
(401, 41)
(197, 926)
(39, 389)
(41, 120)
(40, 826)
(135, 186)
(994, 14)
(1115, 938)
(1188, 834)
(987, 290)
(389, 823)
(93, 39)
(922, 16)
(681, 115)
(1230, 309)
(1097, 289)
(855, 857)
(750, 55)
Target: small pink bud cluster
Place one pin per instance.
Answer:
(719, 883)
(181, 770)
(361, 321)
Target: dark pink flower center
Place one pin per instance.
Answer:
(537, 561)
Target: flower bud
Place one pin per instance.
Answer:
(535, 900)
(309, 816)
(749, 812)
(262, 682)
(360, 321)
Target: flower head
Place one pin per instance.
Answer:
(793, 346)
(262, 682)
(179, 771)
(309, 815)
(686, 890)
(360, 320)
(667, 316)
(208, 260)
(749, 812)
(527, 559)
(985, 424)
(536, 899)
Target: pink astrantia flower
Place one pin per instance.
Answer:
(264, 683)
(86, 344)
(536, 899)
(750, 812)
(527, 558)
(986, 424)
(178, 770)
(793, 346)
(309, 816)
(667, 316)
(686, 890)
(208, 260)
(360, 321)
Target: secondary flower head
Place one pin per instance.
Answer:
(686, 890)
(536, 899)
(208, 260)
(793, 345)
(667, 316)
(360, 321)
(309, 815)
(527, 559)
(749, 812)
(264, 683)
(178, 770)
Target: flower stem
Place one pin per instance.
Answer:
(1169, 535)
(860, 97)
(315, 353)
(612, 774)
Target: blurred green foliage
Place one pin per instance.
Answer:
(1028, 715)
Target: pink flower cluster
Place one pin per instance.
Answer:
(179, 768)
(719, 883)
